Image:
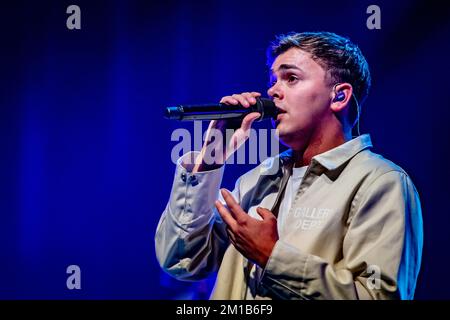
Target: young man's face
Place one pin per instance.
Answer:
(300, 89)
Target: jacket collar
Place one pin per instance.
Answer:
(336, 157)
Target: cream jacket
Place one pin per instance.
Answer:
(354, 230)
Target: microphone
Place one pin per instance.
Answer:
(264, 106)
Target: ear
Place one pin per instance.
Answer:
(339, 105)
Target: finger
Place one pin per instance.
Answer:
(239, 139)
(242, 100)
(234, 208)
(231, 236)
(250, 98)
(225, 215)
(265, 213)
(249, 119)
(255, 94)
(229, 100)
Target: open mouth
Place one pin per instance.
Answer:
(280, 112)
(279, 115)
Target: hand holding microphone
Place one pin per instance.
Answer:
(237, 112)
(234, 109)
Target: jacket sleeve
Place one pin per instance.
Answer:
(381, 252)
(191, 238)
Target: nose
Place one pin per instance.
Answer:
(275, 91)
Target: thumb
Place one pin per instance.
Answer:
(243, 133)
(264, 213)
(248, 120)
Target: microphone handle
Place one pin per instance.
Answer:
(220, 111)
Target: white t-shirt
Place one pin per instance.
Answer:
(291, 190)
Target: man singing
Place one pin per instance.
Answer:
(333, 221)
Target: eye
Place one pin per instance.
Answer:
(292, 78)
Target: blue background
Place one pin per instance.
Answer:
(85, 166)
